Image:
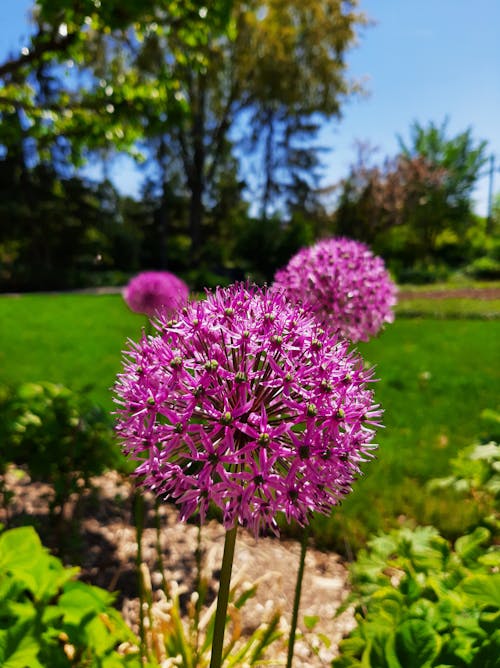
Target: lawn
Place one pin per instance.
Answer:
(71, 339)
(436, 376)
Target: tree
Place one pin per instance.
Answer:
(277, 67)
(462, 158)
(63, 44)
(418, 204)
(188, 81)
(377, 198)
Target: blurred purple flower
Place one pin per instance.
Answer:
(346, 286)
(244, 401)
(151, 290)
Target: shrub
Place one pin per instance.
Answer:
(486, 268)
(48, 618)
(421, 602)
(60, 436)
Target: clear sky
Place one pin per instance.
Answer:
(422, 60)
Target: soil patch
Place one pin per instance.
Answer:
(103, 544)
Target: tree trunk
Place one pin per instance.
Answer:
(164, 210)
(196, 212)
(197, 171)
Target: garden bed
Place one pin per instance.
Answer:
(102, 541)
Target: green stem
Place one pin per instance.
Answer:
(296, 600)
(138, 510)
(159, 552)
(223, 598)
(198, 589)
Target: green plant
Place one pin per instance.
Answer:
(475, 471)
(187, 639)
(60, 436)
(487, 268)
(421, 602)
(48, 619)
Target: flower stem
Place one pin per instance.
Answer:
(138, 510)
(296, 600)
(223, 598)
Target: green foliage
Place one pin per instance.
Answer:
(421, 601)
(486, 268)
(461, 156)
(416, 208)
(61, 437)
(58, 232)
(475, 471)
(50, 620)
(265, 245)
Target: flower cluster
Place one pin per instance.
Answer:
(244, 401)
(151, 290)
(346, 286)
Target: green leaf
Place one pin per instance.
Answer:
(310, 621)
(484, 589)
(489, 654)
(18, 648)
(490, 621)
(19, 548)
(346, 662)
(80, 600)
(491, 558)
(471, 545)
(416, 644)
(352, 646)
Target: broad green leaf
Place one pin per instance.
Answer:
(489, 654)
(484, 589)
(491, 558)
(416, 644)
(471, 545)
(490, 621)
(18, 648)
(352, 646)
(79, 600)
(346, 662)
(19, 549)
(310, 621)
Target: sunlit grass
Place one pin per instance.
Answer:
(436, 376)
(72, 339)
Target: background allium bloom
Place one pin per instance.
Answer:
(347, 287)
(245, 402)
(151, 290)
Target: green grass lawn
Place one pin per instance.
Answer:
(436, 376)
(71, 339)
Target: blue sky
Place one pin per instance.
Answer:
(423, 60)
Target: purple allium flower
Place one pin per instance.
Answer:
(151, 290)
(347, 287)
(244, 401)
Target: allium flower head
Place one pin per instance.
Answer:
(151, 290)
(346, 286)
(244, 401)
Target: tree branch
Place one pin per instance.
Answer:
(55, 44)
